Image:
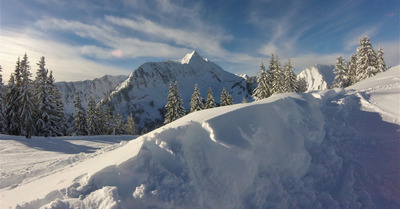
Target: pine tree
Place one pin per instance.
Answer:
(100, 120)
(196, 102)
(270, 75)
(80, 125)
(181, 110)
(58, 121)
(341, 78)
(290, 81)
(130, 126)
(107, 120)
(301, 85)
(91, 118)
(261, 91)
(26, 108)
(2, 104)
(226, 98)
(351, 70)
(210, 102)
(41, 95)
(174, 104)
(13, 120)
(381, 64)
(12, 117)
(119, 125)
(278, 78)
(366, 59)
(244, 100)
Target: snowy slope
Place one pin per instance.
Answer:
(318, 77)
(22, 160)
(97, 89)
(326, 149)
(145, 91)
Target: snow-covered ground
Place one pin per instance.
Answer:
(336, 148)
(23, 160)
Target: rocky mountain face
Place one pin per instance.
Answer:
(97, 89)
(144, 93)
(318, 77)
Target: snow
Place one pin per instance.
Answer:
(97, 88)
(318, 77)
(145, 92)
(323, 149)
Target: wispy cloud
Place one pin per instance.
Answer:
(65, 60)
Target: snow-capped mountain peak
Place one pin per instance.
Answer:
(192, 58)
(318, 77)
(145, 92)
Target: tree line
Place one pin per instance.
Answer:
(364, 64)
(35, 108)
(174, 107)
(95, 121)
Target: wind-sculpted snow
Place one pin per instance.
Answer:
(313, 150)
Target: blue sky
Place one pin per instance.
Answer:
(84, 39)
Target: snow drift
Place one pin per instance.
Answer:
(323, 149)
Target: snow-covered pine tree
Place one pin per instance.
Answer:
(58, 121)
(226, 98)
(107, 120)
(2, 105)
(26, 108)
(13, 120)
(181, 110)
(42, 100)
(270, 74)
(80, 125)
(341, 78)
(100, 120)
(278, 78)
(261, 91)
(244, 100)
(91, 118)
(12, 117)
(230, 99)
(351, 70)
(210, 102)
(174, 104)
(119, 125)
(301, 85)
(130, 126)
(381, 64)
(171, 114)
(366, 59)
(196, 102)
(290, 81)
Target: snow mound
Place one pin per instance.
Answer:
(312, 150)
(318, 77)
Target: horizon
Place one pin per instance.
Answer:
(82, 41)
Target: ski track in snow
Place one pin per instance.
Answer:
(325, 149)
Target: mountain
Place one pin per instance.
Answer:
(97, 88)
(145, 91)
(318, 77)
(335, 148)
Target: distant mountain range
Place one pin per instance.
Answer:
(144, 92)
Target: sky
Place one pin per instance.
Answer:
(83, 39)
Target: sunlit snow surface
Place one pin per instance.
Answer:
(336, 148)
